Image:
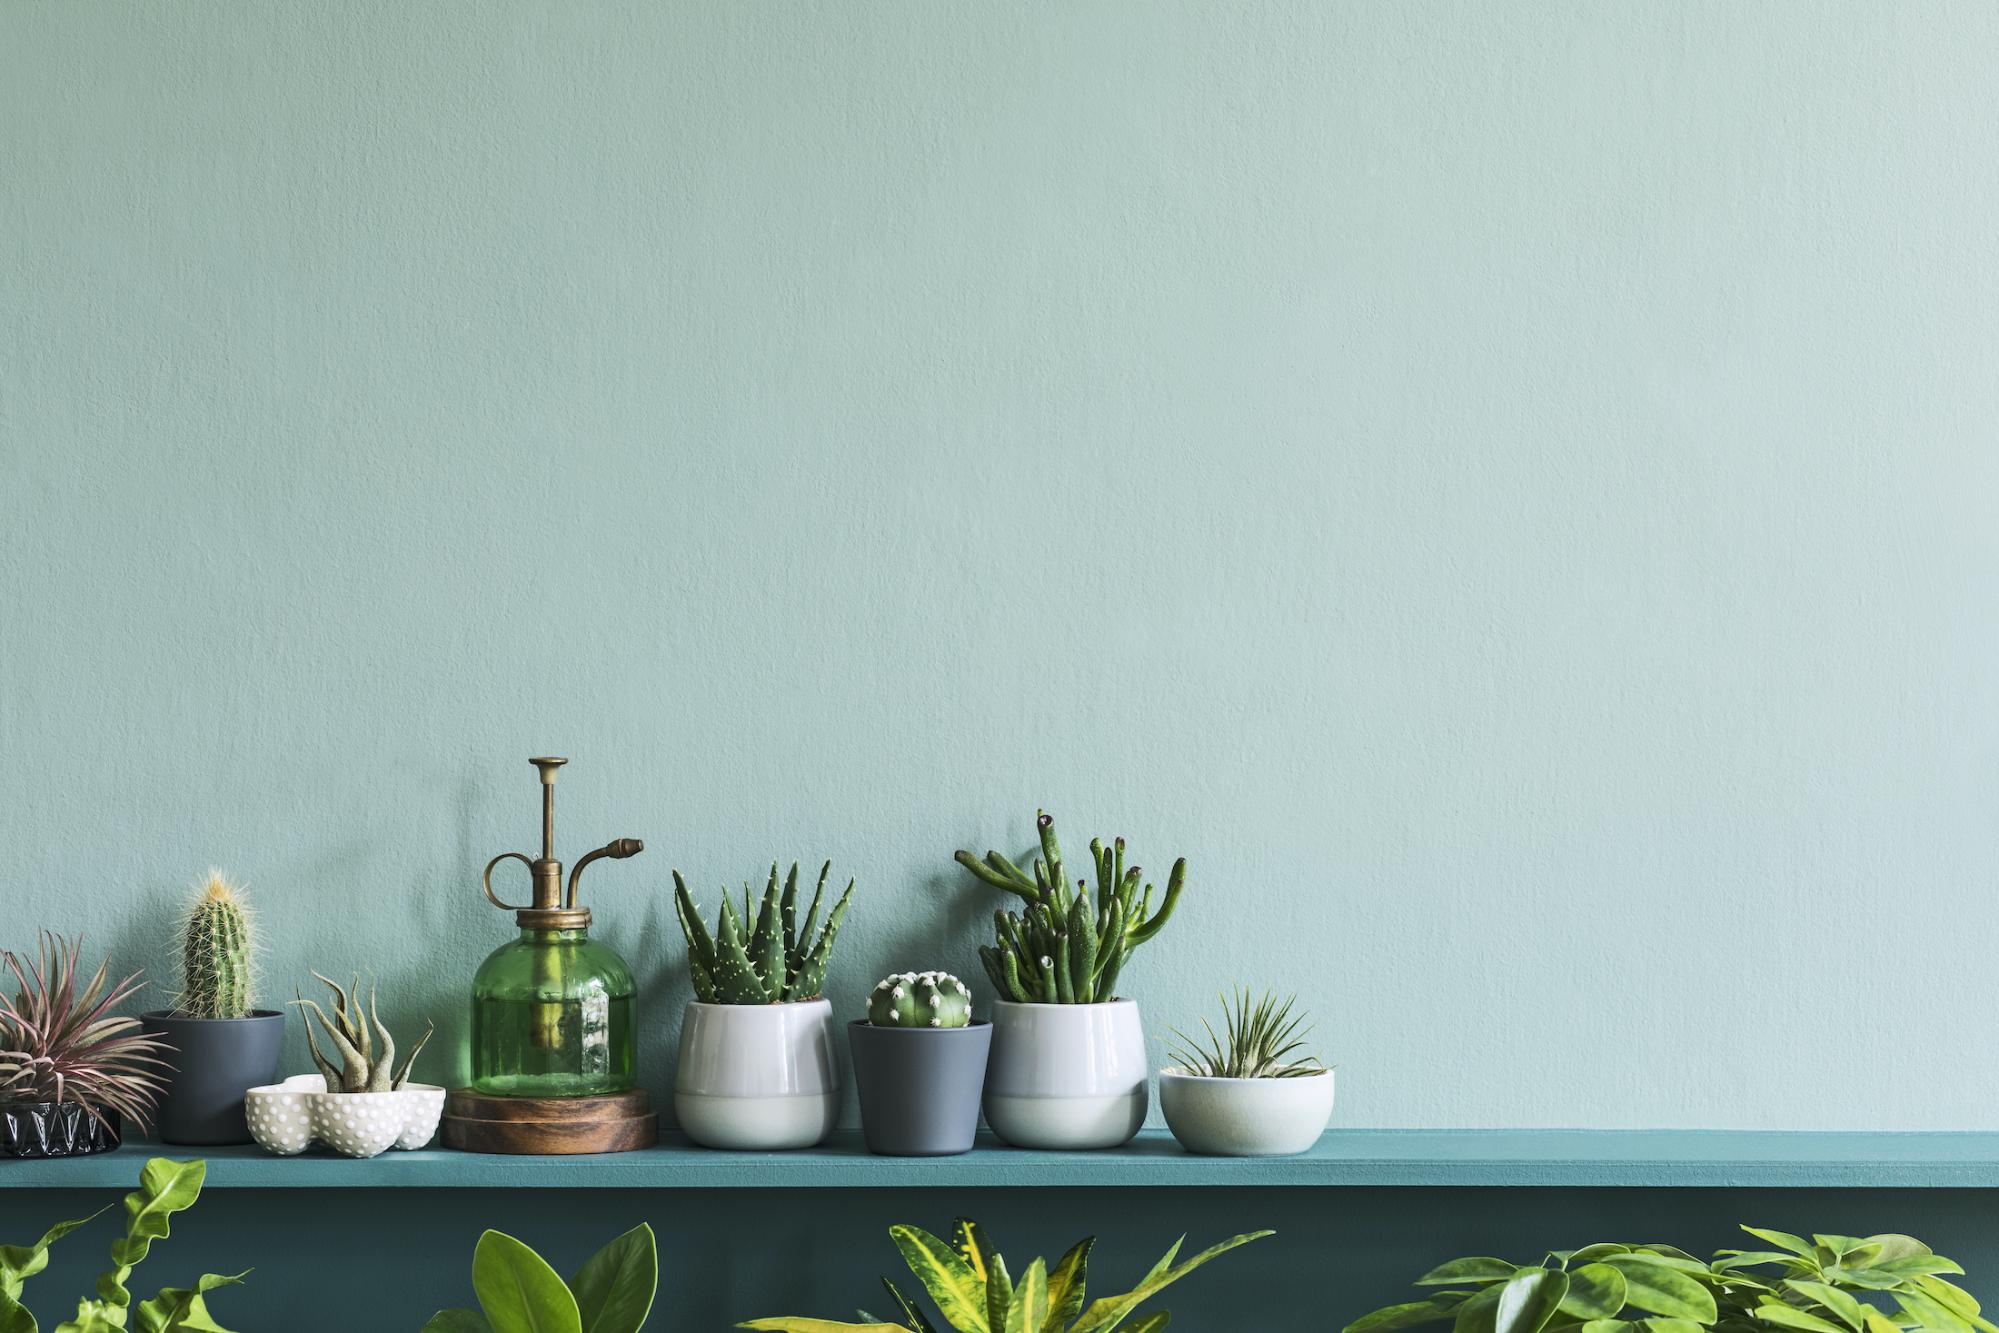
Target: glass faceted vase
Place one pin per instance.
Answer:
(552, 1017)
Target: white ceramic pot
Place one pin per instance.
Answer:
(1066, 1075)
(285, 1118)
(757, 1076)
(1246, 1117)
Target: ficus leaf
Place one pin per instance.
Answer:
(1529, 1300)
(1406, 1315)
(1658, 1288)
(1596, 1291)
(1476, 1268)
(1790, 1316)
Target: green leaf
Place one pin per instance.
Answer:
(1657, 1287)
(614, 1288)
(908, 1308)
(793, 1324)
(1783, 1240)
(1671, 1326)
(1790, 1316)
(166, 1187)
(1108, 1312)
(1955, 1299)
(177, 1307)
(1066, 1284)
(1609, 1326)
(517, 1289)
(457, 1321)
(1477, 1315)
(1867, 1279)
(1151, 1323)
(1028, 1310)
(1596, 1291)
(1407, 1315)
(1910, 1265)
(999, 1291)
(1745, 1258)
(1477, 1268)
(18, 1263)
(972, 1244)
(1880, 1323)
(1895, 1245)
(1602, 1249)
(1930, 1312)
(960, 1296)
(1529, 1300)
(1849, 1310)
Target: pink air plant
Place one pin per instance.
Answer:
(60, 1044)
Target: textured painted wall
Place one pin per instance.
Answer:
(1507, 490)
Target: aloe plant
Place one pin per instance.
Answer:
(975, 1292)
(1829, 1284)
(165, 1188)
(519, 1293)
(763, 956)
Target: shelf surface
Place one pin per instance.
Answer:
(1355, 1157)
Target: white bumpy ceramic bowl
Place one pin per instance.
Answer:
(1066, 1075)
(1246, 1117)
(757, 1077)
(286, 1118)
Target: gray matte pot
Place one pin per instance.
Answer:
(216, 1061)
(919, 1087)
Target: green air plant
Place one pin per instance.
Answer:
(216, 946)
(60, 1043)
(975, 1292)
(1259, 1039)
(1888, 1283)
(367, 1058)
(920, 1000)
(165, 1188)
(519, 1293)
(762, 956)
(1067, 947)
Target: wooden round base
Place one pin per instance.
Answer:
(530, 1126)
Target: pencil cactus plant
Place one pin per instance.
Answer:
(1068, 946)
(762, 955)
(920, 1000)
(367, 1052)
(217, 945)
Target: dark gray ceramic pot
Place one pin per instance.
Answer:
(216, 1061)
(919, 1087)
(56, 1129)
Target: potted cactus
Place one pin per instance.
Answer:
(757, 1065)
(361, 1106)
(920, 1065)
(1249, 1091)
(1068, 1058)
(223, 1044)
(70, 1071)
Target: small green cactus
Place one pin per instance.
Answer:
(762, 956)
(364, 1066)
(920, 1000)
(1067, 948)
(216, 945)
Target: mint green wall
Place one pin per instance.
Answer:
(1507, 490)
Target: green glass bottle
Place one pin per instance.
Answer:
(552, 1008)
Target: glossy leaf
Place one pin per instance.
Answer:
(18, 1263)
(1108, 1312)
(1151, 1323)
(1930, 1312)
(1478, 1313)
(1657, 1288)
(1028, 1310)
(1390, 1317)
(1783, 1240)
(614, 1289)
(1609, 1326)
(1596, 1291)
(174, 1308)
(1895, 1245)
(972, 1245)
(909, 1309)
(457, 1321)
(1850, 1311)
(1066, 1284)
(960, 1296)
(1477, 1268)
(166, 1187)
(1589, 1254)
(1529, 1300)
(1909, 1265)
(1745, 1258)
(793, 1324)
(1790, 1316)
(518, 1291)
(1671, 1326)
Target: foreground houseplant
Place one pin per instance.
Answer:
(70, 1071)
(360, 1106)
(1068, 1062)
(165, 1188)
(975, 1292)
(1828, 1284)
(919, 1065)
(757, 1065)
(519, 1293)
(223, 1044)
(1247, 1091)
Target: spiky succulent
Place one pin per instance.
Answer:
(367, 1059)
(920, 1000)
(60, 1043)
(774, 961)
(216, 947)
(1259, 1039)
(1067, 948)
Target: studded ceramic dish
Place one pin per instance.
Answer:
(287, 1118)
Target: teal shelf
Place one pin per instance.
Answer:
(1344, 1158)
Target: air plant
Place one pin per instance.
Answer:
(367, 1062)
(1259, 1039)
(60, 1043)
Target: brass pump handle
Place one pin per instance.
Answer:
(494, 898)
(617, 850)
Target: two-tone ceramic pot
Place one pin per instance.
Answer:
(1066, 1075)
(757, 1077)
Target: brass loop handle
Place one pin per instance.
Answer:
(493, 898)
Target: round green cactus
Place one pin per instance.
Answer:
(920, 1000)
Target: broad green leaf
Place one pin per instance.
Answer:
(1880, 1323)
(792, 1324)
(999, 1291)
(1783, 1240)
(1151, 1323)
(14, 1317)
(1477, 1268)
(1867, 1279)
(614, 1288)
(1589, 1254)
(1671, 1326)
(1895, 1245)
(960, 1296)
(1066, 1284)
(1658, 1288)
(1956, 1299)
(1838, 1244)
(176, 1307)
(457, 1321)
(972, 1245)
(1671, 1251)
(1028, 1310)
(1863, 1255)
(92, 1317)
(1912, 1264)
(1529, 1300)
(1745, 1258)
(517, 1289)
(1790, 1316)
(1930, 1312)
(1609, 1326)
(1596, 1291)
(1691, 1267)
(166, 1187)
(1107, 1312)
(18, 1263)
(1477, 1315)
(1389, 1317)
(1850, 1311)
(908, 1308)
